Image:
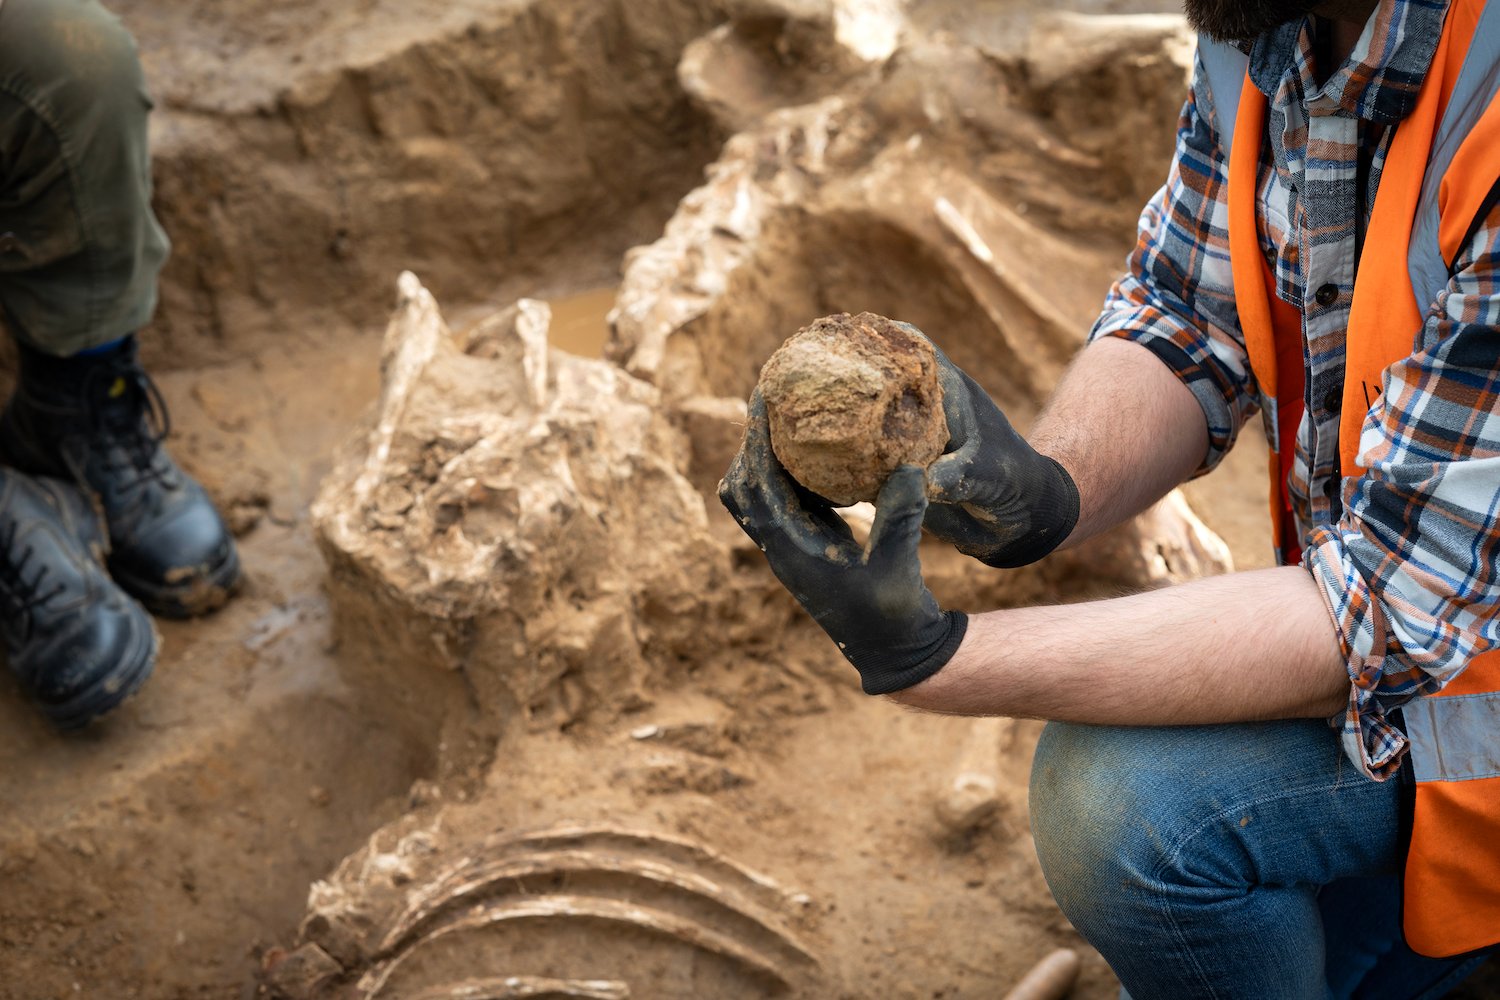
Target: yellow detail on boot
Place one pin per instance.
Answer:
(118, 389)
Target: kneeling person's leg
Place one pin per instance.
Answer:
(79, 256)
(1192, 857)
(80, 249)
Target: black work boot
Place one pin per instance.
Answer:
(100, 421)
(77, 643)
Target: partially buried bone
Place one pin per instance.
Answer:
(972, 795)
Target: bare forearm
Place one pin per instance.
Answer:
(1126, 429)
(1241, 647)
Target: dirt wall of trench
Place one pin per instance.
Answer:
(328, 146)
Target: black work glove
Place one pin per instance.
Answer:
(994, 496)
(870, 599)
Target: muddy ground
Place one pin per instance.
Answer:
(306, 154)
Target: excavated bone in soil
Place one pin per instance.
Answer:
(528, 511)
(538, 891)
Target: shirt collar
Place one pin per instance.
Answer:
(1381, 78)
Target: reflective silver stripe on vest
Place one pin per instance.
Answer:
(1454, 738)
(1224, 67)
(1477, 85)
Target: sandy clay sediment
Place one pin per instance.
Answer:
(511, 707)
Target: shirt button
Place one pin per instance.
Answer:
(1327, 295)
(1333, 402)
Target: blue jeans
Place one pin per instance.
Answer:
(1230, 861)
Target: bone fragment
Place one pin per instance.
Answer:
(1050, 979)
(972, 795)
(528, 988)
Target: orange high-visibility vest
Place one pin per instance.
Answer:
(1441, 173)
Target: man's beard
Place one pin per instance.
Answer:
(1244, 20)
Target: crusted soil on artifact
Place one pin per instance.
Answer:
(509, 706)
(850, 399)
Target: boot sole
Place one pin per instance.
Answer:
(113, 692)
(206, 592)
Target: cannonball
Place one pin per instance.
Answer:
(851, 398)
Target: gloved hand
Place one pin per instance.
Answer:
(870, 599)
(994, 497)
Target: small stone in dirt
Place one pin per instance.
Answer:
(971, 801)
(319, 796)
(851, 398)
(424, 793)
(299, 973)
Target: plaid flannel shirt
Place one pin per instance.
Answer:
(1408, 555)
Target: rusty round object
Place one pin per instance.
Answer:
(851, 398)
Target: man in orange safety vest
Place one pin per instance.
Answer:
(1326, 252)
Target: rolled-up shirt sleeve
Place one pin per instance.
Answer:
(1177, 299)
(1411, 571)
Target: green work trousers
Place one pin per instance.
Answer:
(80, 249)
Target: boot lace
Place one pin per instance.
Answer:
(21, 596)
(130, 418)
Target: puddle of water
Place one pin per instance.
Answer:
(578, 321)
